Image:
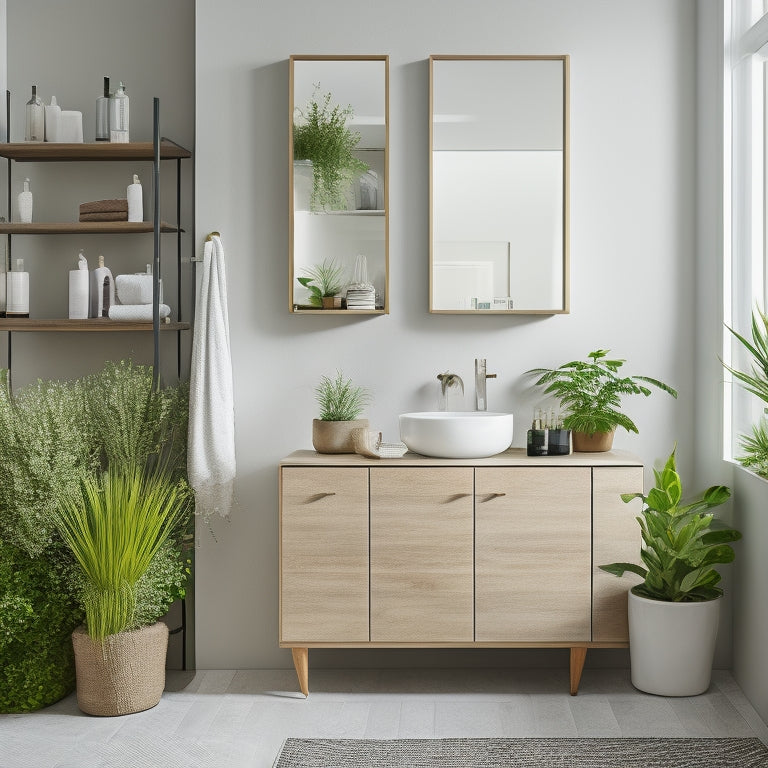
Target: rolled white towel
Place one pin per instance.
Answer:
(138, 313)
(134, 289)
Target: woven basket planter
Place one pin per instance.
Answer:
(123, 674)
(335, 436)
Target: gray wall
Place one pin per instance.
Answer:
(632, 245)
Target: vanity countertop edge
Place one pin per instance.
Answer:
(512, 457)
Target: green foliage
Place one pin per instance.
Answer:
(755, 449)
(591, 392)
(37, 615)
(321, 135)
(114, 527)
(339, 399)
(327, 279)
(756, 381)
(681, 543)
(164, 582)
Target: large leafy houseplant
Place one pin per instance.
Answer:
(321, 135)
(591, 390)
(681, 543)
(755, 446)
(55, 434)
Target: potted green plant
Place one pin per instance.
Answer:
(755, 446)
(591, 391)
(341, 403)
(114, 526)
(674, 612)
(323, 281)
(322, 137)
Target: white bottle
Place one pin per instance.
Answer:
(102, 114)
(78, 290)
(135, 200)
(52, 120)
(25, 204)
(35, 118)
(118, 115)
(102, 290)
(17, 300)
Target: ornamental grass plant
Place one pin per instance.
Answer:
(115, 526)
(339, 399)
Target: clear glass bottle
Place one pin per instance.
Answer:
(118, 115)
(35, 118)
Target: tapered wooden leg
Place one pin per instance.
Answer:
(301, 663)
(578, 656)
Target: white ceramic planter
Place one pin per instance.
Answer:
(672, 645)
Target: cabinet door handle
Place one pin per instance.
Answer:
(456, 497)
(318, 496)
(491, 496)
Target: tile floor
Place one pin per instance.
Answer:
(234, 719)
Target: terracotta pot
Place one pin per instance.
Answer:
(331, 302)
(335, 436)
(124, 673)
(592, 443)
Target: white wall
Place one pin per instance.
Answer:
(632, 249)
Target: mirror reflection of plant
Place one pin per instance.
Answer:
(322, 280)
(322, 136)
(756, 381)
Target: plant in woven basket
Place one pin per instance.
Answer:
(321, 134)
(115, 525)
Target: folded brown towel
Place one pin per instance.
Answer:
(105, 216)
(102, 206)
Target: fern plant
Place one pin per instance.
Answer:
(114, 526)
(322, 280)
(321, 135)
(681, 542)
(591, 391)
(339, 399)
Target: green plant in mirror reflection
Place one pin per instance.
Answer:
(322, 136)
(322, 280)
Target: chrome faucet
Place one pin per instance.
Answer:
(481, 400)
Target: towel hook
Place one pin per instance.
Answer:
(211, 235)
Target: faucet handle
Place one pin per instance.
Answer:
(490, 375)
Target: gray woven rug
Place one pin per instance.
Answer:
(523, 753)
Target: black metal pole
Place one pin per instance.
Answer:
(156, 257)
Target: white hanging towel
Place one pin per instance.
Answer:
(211, 445)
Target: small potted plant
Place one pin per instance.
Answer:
(591, 391)
(114, 526)
(674, 612)
(323, 281)
(341, 403)
(322, 137)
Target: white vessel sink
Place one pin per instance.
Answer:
(456, 434)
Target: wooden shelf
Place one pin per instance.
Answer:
(97, 324)
(339, 312)
(82, 228)
(102, 150)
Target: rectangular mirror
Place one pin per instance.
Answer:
(339, 184)
(499, 184)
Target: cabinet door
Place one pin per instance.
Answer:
(617, 540)
(533, 547)
(324, 554)
(421, 554)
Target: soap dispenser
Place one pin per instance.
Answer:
(102, 290)
(102, 114)
(25, 204)
(118, 115)
(78, 290)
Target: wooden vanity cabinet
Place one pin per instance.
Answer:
(501, 552)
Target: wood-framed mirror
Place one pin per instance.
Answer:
(339, 184)
(499, 184)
